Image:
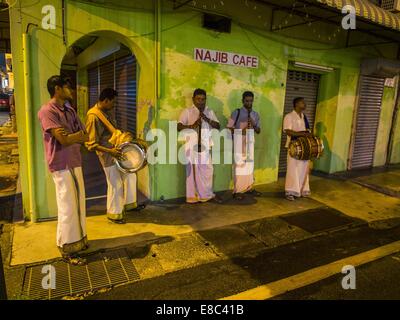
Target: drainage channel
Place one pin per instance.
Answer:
(104, 270)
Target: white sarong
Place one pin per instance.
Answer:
(121, 192)
(199, 181)
(71, 227)
(297, 181)
(243, 167)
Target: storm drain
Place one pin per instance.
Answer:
(102, 271)
(319, 219)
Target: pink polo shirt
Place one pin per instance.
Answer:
(52, 116)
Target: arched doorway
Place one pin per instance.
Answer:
(93, 63)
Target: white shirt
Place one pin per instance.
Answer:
(242, 120)
(294, 122)
(190, 115)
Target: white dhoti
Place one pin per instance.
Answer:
(199, 180)
(297, 180)
(71, 227)
(121, 192)
(243, 167)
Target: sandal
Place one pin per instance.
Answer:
(75, 260)
(254, 193)
(290, 197)
(139, 207)
(120, 221)
(238, 196)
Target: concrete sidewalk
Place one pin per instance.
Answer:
(34, 243)
(168, 237)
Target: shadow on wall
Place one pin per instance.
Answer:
(222, 172)
(329, 160)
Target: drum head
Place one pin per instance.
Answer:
(134, 158)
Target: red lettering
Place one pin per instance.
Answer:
(199, 54)
(248, 61)
(254, 62)
(207, 56)
(242, 61)
(216, 57)
(236, 59)
(224, 57)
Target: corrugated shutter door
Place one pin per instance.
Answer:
(93, 83)
(368, 114)
(299, 84)
(125, 81)
(107, 75)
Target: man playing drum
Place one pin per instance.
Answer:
(121, 187)
(296, 125)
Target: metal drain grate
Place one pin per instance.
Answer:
(102, 271)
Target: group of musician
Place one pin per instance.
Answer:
(64, 133)
(199, 173)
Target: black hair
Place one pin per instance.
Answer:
(247, 94)
(295, 100)
(108, 93)
(199, 92)
(54, 81)
(68, 81)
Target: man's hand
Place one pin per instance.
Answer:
(116, 153)
(66, 138)
(204, 117)
(85, 137)
(197, 124)
(213, 124)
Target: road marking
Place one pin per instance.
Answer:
(314, 275)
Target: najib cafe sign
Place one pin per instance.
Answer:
(221, 57)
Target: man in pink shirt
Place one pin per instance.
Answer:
(63, 135)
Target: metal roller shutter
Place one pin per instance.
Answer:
(367, 122)
(299, 84)
(106, 75)
(125, 84)
(93, 84)
(120, 75)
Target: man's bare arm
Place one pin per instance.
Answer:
(292, 133)
(67, 139)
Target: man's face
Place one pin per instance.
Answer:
(301, 105)
(248, 102)
(200, 101)
(64, 92)
(109, 104)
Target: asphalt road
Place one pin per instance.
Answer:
(378, 280)
(234, 276)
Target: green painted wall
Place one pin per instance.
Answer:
(385, 123)
(395, 152)
(180, 75)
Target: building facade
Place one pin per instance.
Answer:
(147, 51)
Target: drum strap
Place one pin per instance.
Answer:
(102, 118)
(306, 122)
(237, 118)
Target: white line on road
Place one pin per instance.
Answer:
(314, 275)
